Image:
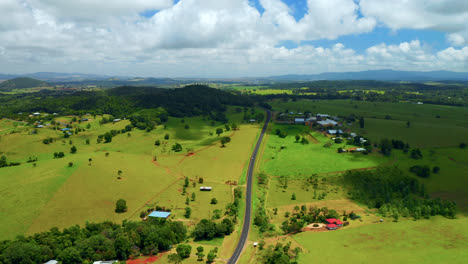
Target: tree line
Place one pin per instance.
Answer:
(94, 241)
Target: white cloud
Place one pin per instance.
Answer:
(450, 16)
(96, 10)
(207, 38)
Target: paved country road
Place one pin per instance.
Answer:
(248, 200)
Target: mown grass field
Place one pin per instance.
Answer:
(53, 194)
(430, 125)
(436, 240)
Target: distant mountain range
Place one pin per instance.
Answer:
(378, 75)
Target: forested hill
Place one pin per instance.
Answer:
(187, 101)
(124, 101)
(21, 83)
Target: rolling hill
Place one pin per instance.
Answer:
(21, 83)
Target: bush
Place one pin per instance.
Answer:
(120, 206)
(416, 154)
(214, 201)
(422, 171)
(436, 169)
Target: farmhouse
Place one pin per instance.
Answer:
(334, 221)
(327, 122)
(299, 120)
(160, 214)
(39, 126)
(205, 188)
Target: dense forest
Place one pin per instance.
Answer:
(123, 101)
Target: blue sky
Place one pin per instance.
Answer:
(232, 38)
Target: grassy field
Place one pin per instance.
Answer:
(430, 125)
(53, 194)
(297, 160)
(436, 240)
(450, 183)
(435, 129)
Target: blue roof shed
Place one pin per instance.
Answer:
(160, 214)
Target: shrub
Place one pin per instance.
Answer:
(422, 171)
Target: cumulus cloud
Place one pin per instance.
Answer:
(213, 37)
(448, 16)
(96, 10)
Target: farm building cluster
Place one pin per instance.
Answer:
(332, 126)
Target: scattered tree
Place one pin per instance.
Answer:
(188, 212)
(120, 206)
(184, 250)
(73, 150)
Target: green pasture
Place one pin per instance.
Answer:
(437, 240)
(297, 160)
(52, 194)
(430, 125)
(451, 181)
(279, 195)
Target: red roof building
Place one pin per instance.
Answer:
(334, 221)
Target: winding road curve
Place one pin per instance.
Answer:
(248, 200)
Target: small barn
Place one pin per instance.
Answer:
(160, 214)
(53, 261)
(65, 129)
(299, 120)
(206, 188)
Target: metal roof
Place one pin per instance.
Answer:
(160, 214)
